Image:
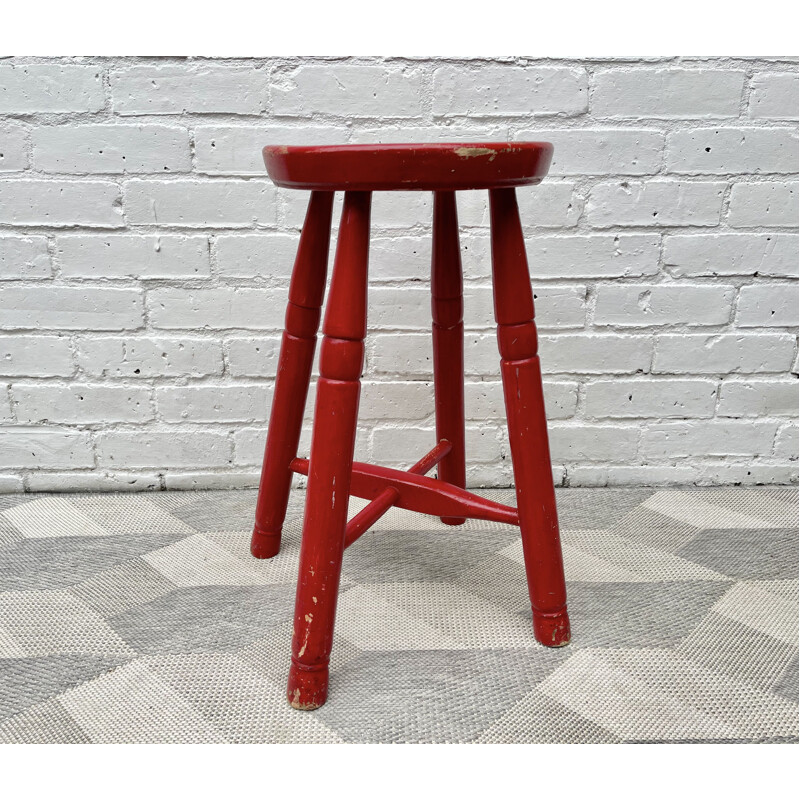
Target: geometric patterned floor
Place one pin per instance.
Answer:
(143, 618)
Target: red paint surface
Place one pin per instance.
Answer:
(331, 462)
(527, 424)
(447, 309)
(388, 167)
(332, 474)
(419, 493)
(369, 515)
(306, 293)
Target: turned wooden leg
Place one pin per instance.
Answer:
(306, 292)
(527, 425)
(331, 461)
(447, 306)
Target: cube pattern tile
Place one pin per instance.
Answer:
(143, 618)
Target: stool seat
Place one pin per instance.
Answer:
(393, 167)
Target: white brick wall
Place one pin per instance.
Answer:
(145, 259)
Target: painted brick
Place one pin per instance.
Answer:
(650, 398)
(407, 308)
(59, 203)
(131, 256)
(774, 96)
(758, 204)
(723, 473)
(484, 400)
(594, 256)
(642, 93)
(38, 447)
(200, 481)
(146, 357)
(602, 151)
(655, 203)
(11, 483)
(209, 403)
(396, 400)
(81, 403)
(94, 481)
(767, 306)
(404, 134)
(35, 356)
(249, 446)
(217, 89)
(402, 258)
(236, 149)
(163, 448)
(399, 210)
(71, 308)
(640, 475)
(400, 445)
(292, 207)
(490, 91)
(758, 398)
(13, 149)
(637, 305)
(786, 445)
(618, 290)
(709, 354)
(111, 148)
(253, 357)
(24, 257)
(707, 254)
(593, 353)
(718, 151)
(50, 88)
(411, 354)
(200, 204)
(707, 438)
(587, 442)
(551, 205)
(256, 255)
(390, 210)
(348, 91)
(216, 309)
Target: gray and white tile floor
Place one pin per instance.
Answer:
(143, 618)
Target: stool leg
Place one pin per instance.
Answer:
(527, 425)
(331, 462)
(447, 306)
(294, 373)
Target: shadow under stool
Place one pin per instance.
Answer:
(333, 476)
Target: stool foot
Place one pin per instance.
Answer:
(308, 687)
(551, 630)
(453, 520)
(265, 544)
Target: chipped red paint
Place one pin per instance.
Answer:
(333, 476)
(391, 167)
(420, 493)
(527, 424)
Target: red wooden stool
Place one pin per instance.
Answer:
(333, 476)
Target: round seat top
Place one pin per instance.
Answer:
(388, 167)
